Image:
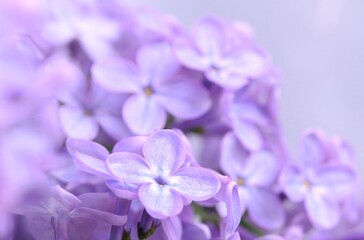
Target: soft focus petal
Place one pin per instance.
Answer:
(191, 57)
(335, 182)
(157, 62)
(91, 164)
(270, 237)
(110, 218)
(323, 214)
(195, 183)
(313, 149)
(227, 78)
(160, 201)
(261, 168)
(265, 208)
(116, 75)
(128, 167)
(113, 126)
(97, 48)
(88, 156)
(293, 184)
(143, 114)
(248, 134)
(165, 152)
(77, 123)
(58, 32)
(247, 111)
(86, 147)
(184, 98)
(209, 36)
(233, 156)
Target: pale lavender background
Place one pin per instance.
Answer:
(319, 47)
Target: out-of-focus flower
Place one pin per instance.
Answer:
(314, 179)
(86, 108)
(155, 86)
(58, 214)
(254, 173)
(68, 21)
(210, 50)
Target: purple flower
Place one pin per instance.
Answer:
(211, 50)
(165, 183)
(58, 214)
(86, 108)
(155, 87)
(319, 183)
(254, 173)
(68, 21)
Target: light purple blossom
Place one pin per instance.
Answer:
(59, 214)
(254, 173)
(155, 86)
(211, 51)
(314, 179)
(86, 108)
(164, 182)
(76, 20)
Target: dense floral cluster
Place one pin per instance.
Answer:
(117, 123)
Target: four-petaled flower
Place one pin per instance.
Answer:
(165, 182)
(156, 86)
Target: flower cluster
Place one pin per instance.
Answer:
(118, 123)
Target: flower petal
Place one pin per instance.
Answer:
(184, 98)
(113, 126)
(261, 168)
(160, 201)
(143, 114)
(227, 78)
(91, 165)
(209, 36)
(172, 227)
(313, 149)
(335, 182)
(86, 147)
(248, 134)
(233, 209)
(77, 124)
(268, 216)
(293, 184)
(123, 189)
(88, 156)
(117, 75)
(157, 62)
(165, 151)
(113, 219)
(131, 144)
(323, 214)
(128, 167)
(195, 183)
(233, 156)
(191, 57)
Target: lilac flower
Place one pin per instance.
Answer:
(210, 51)
(164, 182)
(85, 108)
(61, 215)
(155, 87)
(314, 179)
(254, 174)
(68, 21)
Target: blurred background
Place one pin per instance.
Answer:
(318, 45)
